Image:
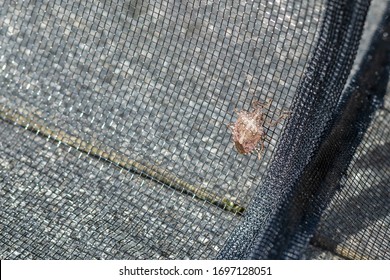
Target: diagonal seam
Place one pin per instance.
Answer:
(105, 153)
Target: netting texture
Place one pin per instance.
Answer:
(117, 139)
(356, 224)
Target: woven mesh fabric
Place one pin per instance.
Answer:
(356, 224)
(116, 139)
(301, 178)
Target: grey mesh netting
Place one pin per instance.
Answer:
(119, 135)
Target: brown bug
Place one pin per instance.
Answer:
(249, 130)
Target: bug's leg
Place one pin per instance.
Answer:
(262, 105)
(261, 151)
(284, 114)
(267, 139)
(278, 120)
(229, 125)
(268, 104)
(274, 123)
(256, 104)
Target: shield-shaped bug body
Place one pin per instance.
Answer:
(249, 130)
